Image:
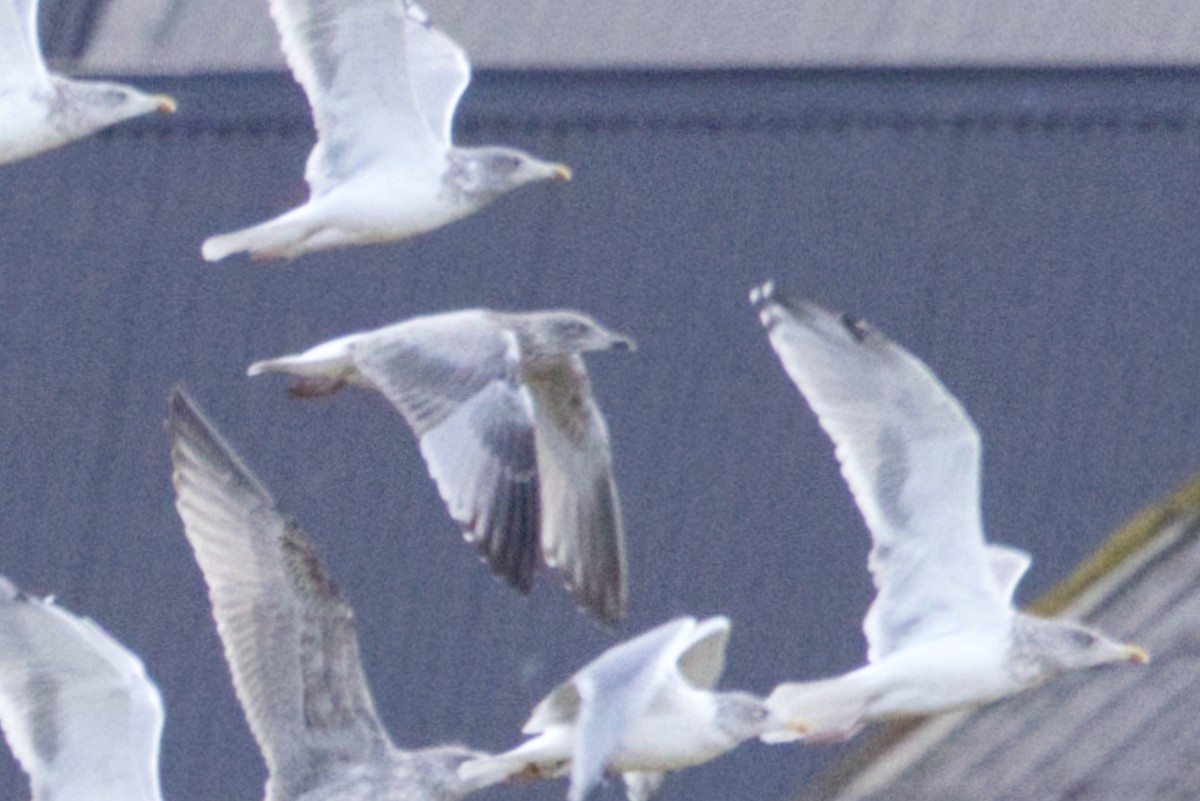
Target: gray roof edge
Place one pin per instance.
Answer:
(140, 36)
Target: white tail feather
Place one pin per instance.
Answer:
(281, 238)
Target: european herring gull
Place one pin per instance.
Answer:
(643, 707)
(289, 638)
(40, 110)
(503, 409)
(942, 633)
(383, 85)
(77, 708)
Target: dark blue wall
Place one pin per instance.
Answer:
(1033, 236)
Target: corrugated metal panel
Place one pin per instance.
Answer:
(1031, 235)
(167, 36)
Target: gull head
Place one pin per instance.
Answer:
(482, 174)
(742, 716)
(107, 103)
(560, 333)
(1056, 646)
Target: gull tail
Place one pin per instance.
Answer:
(318, 371)
(281, 238)
(829, 710)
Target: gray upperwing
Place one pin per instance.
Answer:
(289, 637)
(76, 706)
(704, 660)
(582, 531)
(560, 706)
(454, 379)
(911, 457)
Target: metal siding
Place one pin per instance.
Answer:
(150, 36)
(1030, 235)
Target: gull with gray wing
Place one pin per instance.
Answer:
(40, 110)
(289, 638)
(942, 632)
(383, 85)
(76, 706)
(503, 409)
(642, 708)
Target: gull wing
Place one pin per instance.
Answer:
(21, 63)
(289, 637)
(581, 530)
(439, 71)
(77, 708)
(704, 660)
(701, 662)
(910, 455)
(1008, 566)
(350, 57)
(615, 690)
(454, 378)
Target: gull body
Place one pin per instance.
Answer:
(76, 706)
(290, 640)
(502, 407)
(40, 110)
(644, 707)
(942, 632)
(383, 85)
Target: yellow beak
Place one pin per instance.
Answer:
(562, 172)
(1136, 655)
(166, 103)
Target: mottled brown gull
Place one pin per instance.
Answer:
(40, 110)
(290, 640)
(503, 409)
(76, 706)
(642, 708)
(383, 85)
(942, 632)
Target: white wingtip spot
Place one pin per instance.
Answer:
(762, 292)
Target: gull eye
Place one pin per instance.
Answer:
(573, 329)
(505, 164)
(115, 97)
(1084, 639)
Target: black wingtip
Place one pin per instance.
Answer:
(857, 327)
(769, 300)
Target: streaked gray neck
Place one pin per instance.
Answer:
(741, 716)
(468, 181)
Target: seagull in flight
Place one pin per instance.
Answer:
(40, 110)
(942, 632)
(642, 708)
(77, 708)
(289, 638)
(502, 406)
(383, 84)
